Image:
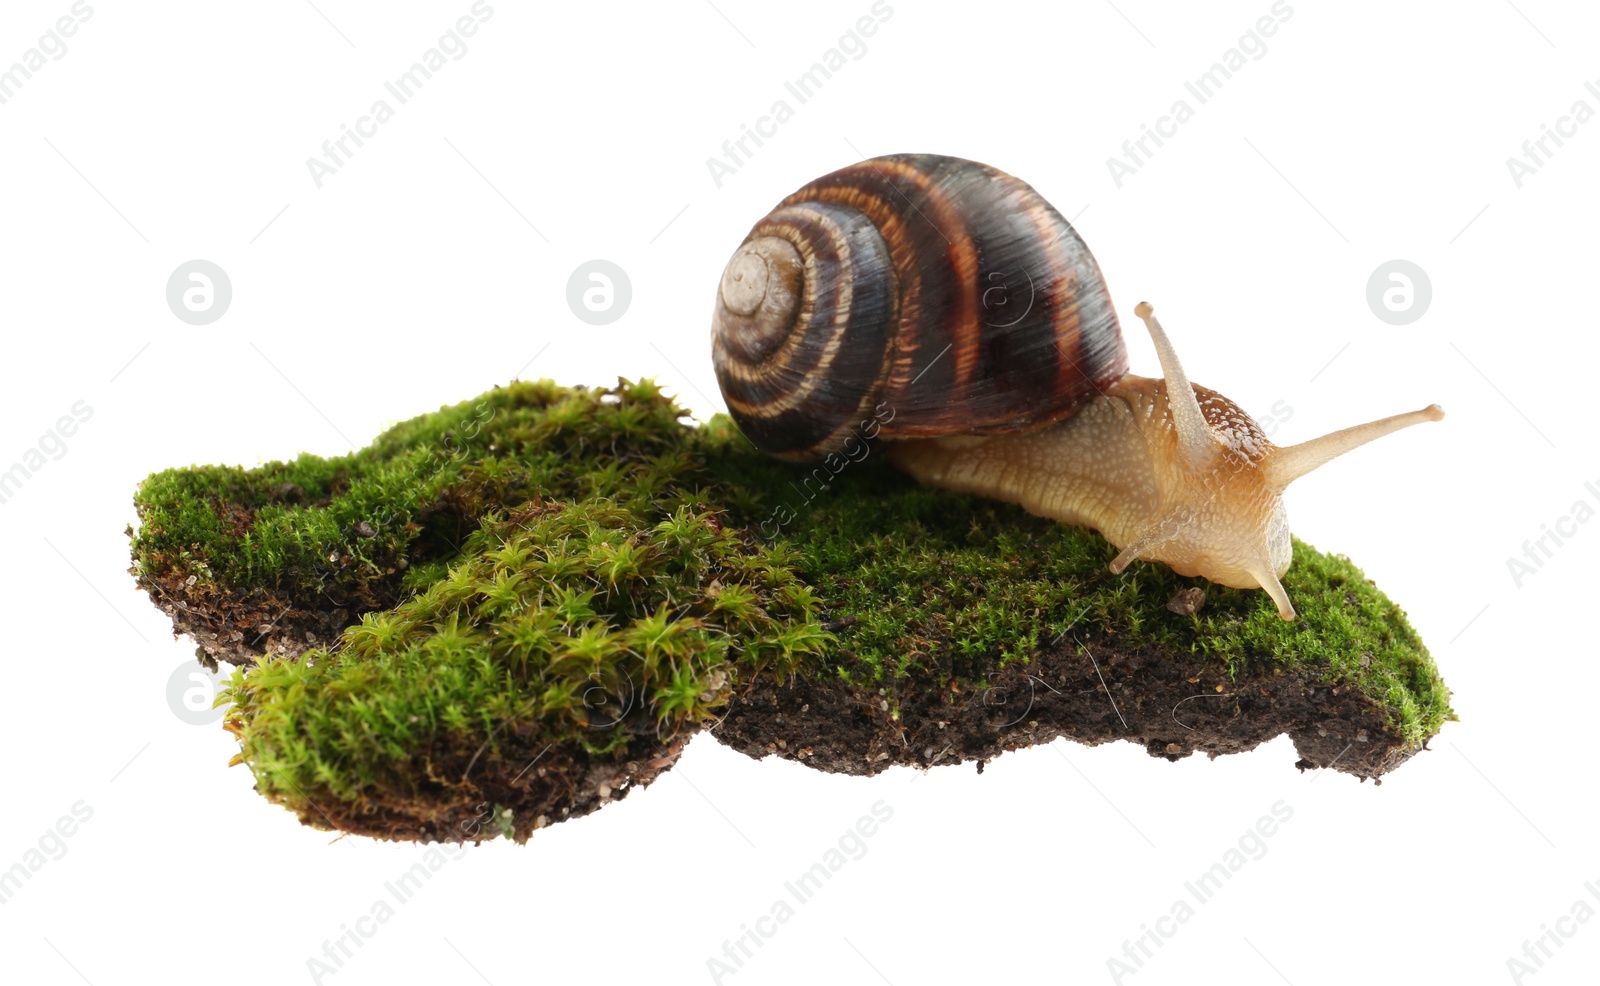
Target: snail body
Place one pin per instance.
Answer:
(956, 298)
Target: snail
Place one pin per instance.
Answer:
(944, 307)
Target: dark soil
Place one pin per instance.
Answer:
(456, 794)
(241, 625)
(1171, 706)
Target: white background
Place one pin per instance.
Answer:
(434, 265)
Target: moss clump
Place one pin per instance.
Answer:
(585, 625)
(519, 607)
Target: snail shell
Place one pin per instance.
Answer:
(943, 290)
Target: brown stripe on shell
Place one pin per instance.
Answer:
(1050, 295)
(1086, 347)
(1014, 348)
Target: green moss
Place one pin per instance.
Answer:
(580, 567)
(418, 488)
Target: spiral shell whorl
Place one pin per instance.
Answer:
(799, 333)
(948, 292)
